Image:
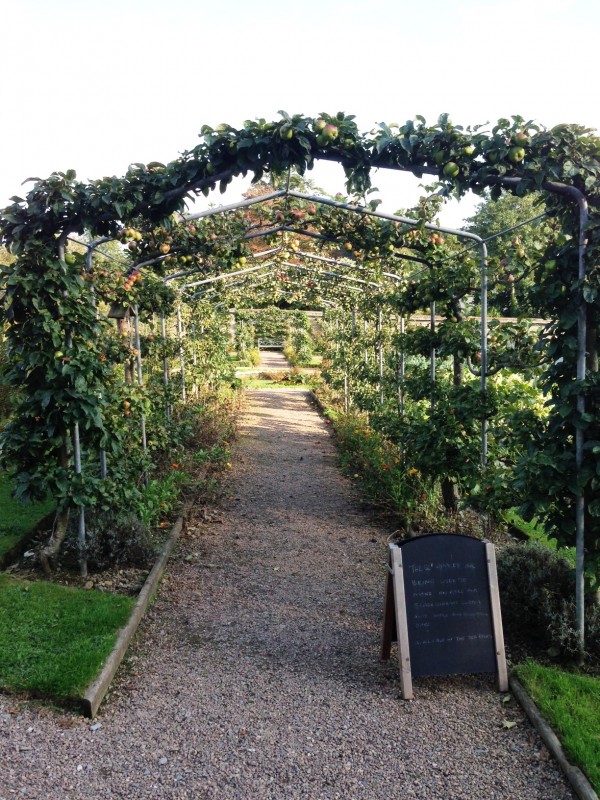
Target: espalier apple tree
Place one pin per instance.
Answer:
(50, 308)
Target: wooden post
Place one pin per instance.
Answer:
(401, 622)
(496, 617)
(389, 617)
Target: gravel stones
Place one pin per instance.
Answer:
(255, 674)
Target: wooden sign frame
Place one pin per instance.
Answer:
(395, 618)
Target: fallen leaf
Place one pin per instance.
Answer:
(508, 724)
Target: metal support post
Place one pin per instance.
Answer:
(83, 570)
(401, 370)
(140, 379)
(380, 352)
(484, 350)
(181, 352)
(163, 333)
(432, 354)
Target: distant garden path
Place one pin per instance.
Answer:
(256, 675)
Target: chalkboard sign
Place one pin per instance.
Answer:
(442, 607)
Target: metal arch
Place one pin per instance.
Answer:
(222, 276)
(581, 371)
(411, 223)
(211, 212)
(249, 270)
(326, 260)
(187, 272)
(289, 265)
(256, 278)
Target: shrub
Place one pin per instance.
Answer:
(115, 539)
(537, 590)
(254, 356)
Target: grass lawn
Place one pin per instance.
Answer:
(54, 639)
(571, 705)
(16, 519)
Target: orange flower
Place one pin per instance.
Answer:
(175, 466)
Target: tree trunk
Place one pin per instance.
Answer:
(51, 550)
(450, 495)
(61, 522)
(458, 371)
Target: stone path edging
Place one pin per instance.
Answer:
(581, 786)
(96, 691)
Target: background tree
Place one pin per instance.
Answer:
(511, 256)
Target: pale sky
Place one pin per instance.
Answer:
(94, 86)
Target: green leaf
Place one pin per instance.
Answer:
(590, 293)
(594, 508)
(382, 143)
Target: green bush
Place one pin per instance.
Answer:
(254, 356)
(537, 588)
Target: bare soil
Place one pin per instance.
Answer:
(255, 675)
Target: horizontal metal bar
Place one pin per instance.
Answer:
(382, 215)
(210, 212)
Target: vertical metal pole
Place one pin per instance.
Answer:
(163, 333)
(194, 343)
(484, 349)
(351, 347)
(140, 380)
(89, 263)
(194, 350)
(83, 571)
(432, 364)
(181, 352)
(380, 352)
(76, 451)
(580, 438)
(138, 358)
(402, 370)
(345, 362)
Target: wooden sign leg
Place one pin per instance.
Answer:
(496, 618)
(401, 622)
(389, 618)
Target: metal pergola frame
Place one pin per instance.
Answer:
(569, 192)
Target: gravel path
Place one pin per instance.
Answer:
(255, 675)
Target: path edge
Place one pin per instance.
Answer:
(96, 691)
(579, 783)
(318, 402)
